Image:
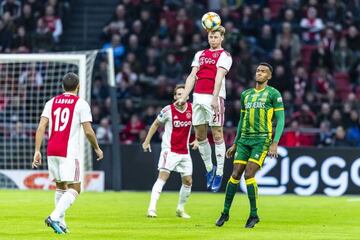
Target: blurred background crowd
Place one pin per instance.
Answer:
(313, 45)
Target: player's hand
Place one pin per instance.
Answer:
(146, 147)
(230, 152)
(273, 150)
(99, 154)
(194, 144)
(36, 160)
(181, 101)
(215, 105)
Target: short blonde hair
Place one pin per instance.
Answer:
(221, 30)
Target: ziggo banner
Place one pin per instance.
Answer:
(30, 179)
(307, 171)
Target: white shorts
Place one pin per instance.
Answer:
(203, 112)
(65, 169)
(170, 161)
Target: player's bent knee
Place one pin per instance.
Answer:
(187, 182)
(201, 137)
(61, 185)
(75, 186)
(249, 174)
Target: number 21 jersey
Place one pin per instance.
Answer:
(66, 112)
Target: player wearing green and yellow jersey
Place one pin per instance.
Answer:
(254, 139)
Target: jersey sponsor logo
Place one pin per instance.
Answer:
(254, 105)
(188, 115)
(205, 60)
(182, 123)
(279, 99)
(64, 101)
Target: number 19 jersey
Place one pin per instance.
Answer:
(66, 112)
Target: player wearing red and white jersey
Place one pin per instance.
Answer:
(65, 114)
(207, 78)
(174, 154)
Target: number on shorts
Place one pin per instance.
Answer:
(216, 116)
(61, 117)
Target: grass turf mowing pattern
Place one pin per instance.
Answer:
(121, 215)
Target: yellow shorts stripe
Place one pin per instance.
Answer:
(233, 180)
(278, 109)
(240, 162)
(262, 157)
(250, 181)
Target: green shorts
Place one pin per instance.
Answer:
(252, 150)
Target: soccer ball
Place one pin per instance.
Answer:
(210, 21)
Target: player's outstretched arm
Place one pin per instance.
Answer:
(152, 130)
(189, 85)
(90, 134)
(40, 131)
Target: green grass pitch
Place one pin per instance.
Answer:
(121, 215)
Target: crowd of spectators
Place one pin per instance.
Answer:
(313, 45)
(31, 25)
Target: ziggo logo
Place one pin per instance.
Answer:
(182, 123)
(321, 173)
(205, 60)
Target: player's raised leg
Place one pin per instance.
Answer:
(230, 192)
(205, 152)
(220, 149)
(156, 191)
(184, 195)
(252, 190)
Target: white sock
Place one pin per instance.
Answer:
(184, 195)
(64, 203)
(205, 152)
(155, 193)
(220, 156)
(58, 194)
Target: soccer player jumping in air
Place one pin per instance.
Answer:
(207, 77)
(254, 140)
(65, 114)
(175, 155)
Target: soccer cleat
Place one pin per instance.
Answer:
(216, 183)
(54, 225)
(151, 213)
(210, 177)
(222, 219)
(182, 214)
(250, 223)
(64, 228)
